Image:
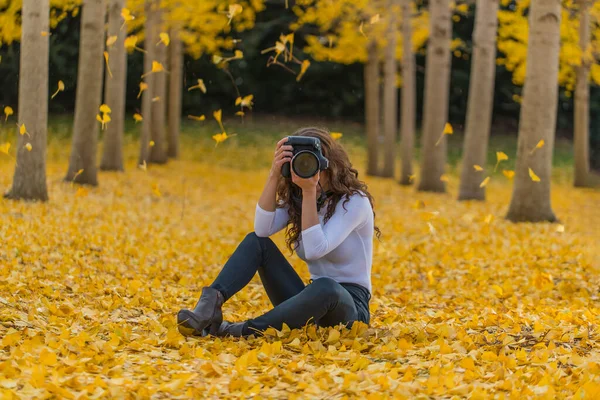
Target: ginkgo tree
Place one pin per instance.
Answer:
(357, 31)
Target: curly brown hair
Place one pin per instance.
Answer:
(343, 182)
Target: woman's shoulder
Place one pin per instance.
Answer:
(356, 200)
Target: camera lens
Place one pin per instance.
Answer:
(305, 164)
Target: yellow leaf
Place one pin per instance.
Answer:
(485, 182)
(508, 173)
(164, 39)
(4, 148)
(498, 290)
(126, 14)
(151, 143)
(200, 118)
(61, 87)
(107, 66)
(245, 101)
(533, 176)
(448, 129)
(48, 357)
(28, 146)
(334, 336)
(200, 86)
(105, 109)
(240, 113)
(234, 9)
(111, 40)
(335, 135)
(444, 178)
(155, 99)
(217, 115)
(45, 33)
(221, 137)
(539, 145)
(560, 228)
(137, 117)
(217, 59)
(477, 167)
(22, 129)
(143, 86)
(8, 111)
(500, 156)
(467, 363)
(374, 19)
(303, 68)
(156, 67)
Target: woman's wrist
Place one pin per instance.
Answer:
(309, 191)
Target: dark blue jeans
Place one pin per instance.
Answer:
(324, 301)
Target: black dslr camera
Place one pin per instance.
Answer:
(307, 157)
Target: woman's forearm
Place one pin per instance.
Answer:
(268, 198)
(309, 209)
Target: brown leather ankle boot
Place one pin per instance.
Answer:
(206, 313)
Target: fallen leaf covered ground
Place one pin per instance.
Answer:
(465, 304)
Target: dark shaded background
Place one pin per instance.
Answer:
(327, 89)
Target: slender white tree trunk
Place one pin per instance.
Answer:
(114, 90)
(175, 84)
(390, 95)
(149, 56)
(29, 180)
(437, 87)
(531, 200)
(158, 152)
(82, 164)
(372, 108)
(582, 102)
(409, 96)
(481, 100)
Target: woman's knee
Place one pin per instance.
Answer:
(326, 287)
(253, 237)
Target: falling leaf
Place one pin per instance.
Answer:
(335, 135)
(111, 40)
(200, 86)
(508, 173)
(477, 167)
(156, 67)
(539, 145)
(217, 115)
(238, 55)
(137, 117)
(303, 68)
(533, 176)
(485, 182)
(4, 148)
(245, 101)
(155, 99)
(28, 146)
(500, 156)
(234, 9)
(164, 39)
(200, 118)
(76, 175)
(447, 131)
(8, 111)
(61, 88)
(374, 19)
(143, 86)
(151, 143)
(23, 130)
(217, 59)
(107, 66)
(126, 14)
(240, 113)
(103, 119)
(105, 109)
(220, 137)
(130, 44)
(444, 178)
(411, 177)
(45, 33)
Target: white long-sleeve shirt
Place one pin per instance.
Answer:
(341, 249)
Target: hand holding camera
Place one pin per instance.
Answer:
(283, 155)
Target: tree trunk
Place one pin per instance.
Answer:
(176, 68)
(150, 47)
(158, 152)
(581, 140)
(531, 200)
(390, 95)
(409, 96)
(89, 94)
(114, 91)
(437, 86)
(481, 100)
(372, 116)
(29, 180)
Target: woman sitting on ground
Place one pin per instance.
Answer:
(330, 224)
